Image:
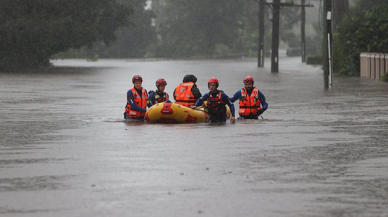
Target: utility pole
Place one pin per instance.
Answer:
(303, 32)
(260, 60)
(275, 36)
(327, 42)
(275, 4)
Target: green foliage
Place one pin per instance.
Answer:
(289, 17)
(32, 31)
(196, 27)
(137, 40)
(364, 5)
(361, 31)
(314, 48)
(222, 49)
(314, 60)
(384, 78)
(92, 59)
(134, 40)
(188, 28)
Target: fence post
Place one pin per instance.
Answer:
(370, 64)
(364, 65)
(374, 66)
(386, 65)
(378, 68)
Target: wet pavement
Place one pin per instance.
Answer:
(66, 151)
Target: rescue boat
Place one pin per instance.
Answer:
(168, 112)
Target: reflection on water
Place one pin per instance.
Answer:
(36, 183)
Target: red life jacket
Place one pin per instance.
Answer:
(215, 105)
(183, 94)
(140, 101)
(249, 104)
(159, 99)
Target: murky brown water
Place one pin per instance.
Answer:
(65, 151)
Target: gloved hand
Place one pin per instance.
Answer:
(260, 111)
(151, 91)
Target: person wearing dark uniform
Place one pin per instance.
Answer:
(136, 100)
(216, 101)
(159, 95)
(251, 101)
(187, 93)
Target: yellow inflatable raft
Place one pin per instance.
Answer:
(167, 112)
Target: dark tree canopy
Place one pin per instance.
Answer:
(362, 31)
(197, 27)
(134, 40)
(205, 28)
(32, 31)
(363, 5)
(340, 9)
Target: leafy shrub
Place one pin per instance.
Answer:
(222, 49)
(361, 31)
(314, 60)
(384, 78)
(32, 31)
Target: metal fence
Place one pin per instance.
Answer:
(373, 65)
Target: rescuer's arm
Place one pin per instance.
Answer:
(264, 104)
(200, 100)
(236, 96)
(225, 98)
(151, 98)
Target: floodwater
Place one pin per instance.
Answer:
(66, 151)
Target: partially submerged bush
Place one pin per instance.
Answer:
(361, 31)
(384, 78)
(314, 60)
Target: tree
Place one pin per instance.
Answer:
(364, 5)
(362, 31)
(340, 9)
(32, 31)
(133, 40)
(290, 16)
(198, 27)
(189, 28)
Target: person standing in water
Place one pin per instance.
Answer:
(216, 101)
(136, 100)
(252, 101)
(159, 95)
(187, 93)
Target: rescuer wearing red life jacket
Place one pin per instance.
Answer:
(187, 93)
(136, 100)
(252, 101)
(216, 101)
(159, 95)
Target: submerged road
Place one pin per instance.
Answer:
(66, 151)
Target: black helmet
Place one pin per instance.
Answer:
(190, 78)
